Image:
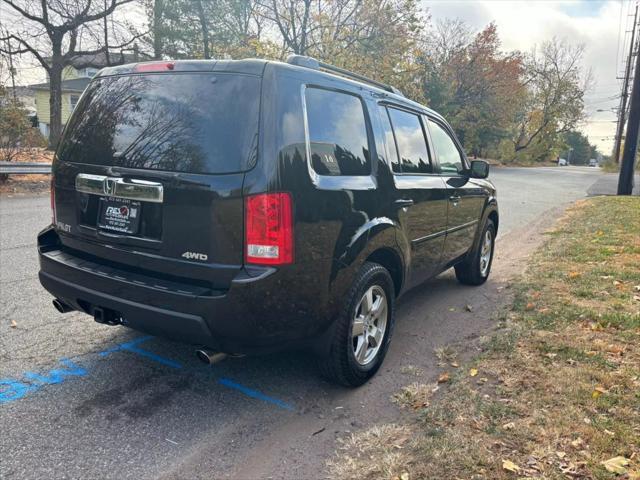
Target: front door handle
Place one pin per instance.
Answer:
(403, 202)
(454, 198)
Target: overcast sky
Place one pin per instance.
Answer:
(599, 24)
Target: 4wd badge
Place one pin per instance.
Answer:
(195, 256)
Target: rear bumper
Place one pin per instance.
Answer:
(257, 313)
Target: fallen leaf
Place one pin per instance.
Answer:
(597, 392)
(636, 288)
(509, 426)
(636, 298)
(615, 349)
(473, 372)
(404, 476)
(444, 377)
(468, 308)
(455, 364)
(14, 324)
(609, 432)
(561, 455)
(574, 274)
(577, 443)
(529, 306)
(509, 466)
(616, 465)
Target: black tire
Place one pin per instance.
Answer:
(470, 271)
(339, 364)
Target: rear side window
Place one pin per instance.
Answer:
(183, 122)
(448, 154)
(411, 143)
(390, 140)
(337, 133)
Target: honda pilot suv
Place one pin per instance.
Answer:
(249, 206)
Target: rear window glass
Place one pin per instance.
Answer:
(337, 133)
(198, 123)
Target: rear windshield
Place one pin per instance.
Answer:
(183, 122)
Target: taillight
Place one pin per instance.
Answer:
(53, 201)
(269, 229)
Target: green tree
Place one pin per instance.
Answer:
(579, 146)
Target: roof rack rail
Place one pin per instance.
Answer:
(314, 64)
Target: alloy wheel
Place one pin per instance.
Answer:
(369, 325)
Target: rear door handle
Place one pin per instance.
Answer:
(403, 202)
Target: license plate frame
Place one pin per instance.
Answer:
(119, 215)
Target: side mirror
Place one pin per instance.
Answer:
(479, 169)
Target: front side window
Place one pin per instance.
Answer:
(410, 139)
(337, 133)
(448, 154)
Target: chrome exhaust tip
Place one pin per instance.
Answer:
(210, 357)
(61, 306)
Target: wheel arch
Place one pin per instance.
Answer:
(391, 260)
(375, 241)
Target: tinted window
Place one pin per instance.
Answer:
(412, 147)
(200, 123)
(337, 133)
(390, 141)
(448, 154)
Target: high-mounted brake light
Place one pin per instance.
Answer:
(53, 201)
(154, 67)
(269, 229)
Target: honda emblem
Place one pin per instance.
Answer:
(109, 186)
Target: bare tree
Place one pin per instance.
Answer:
(292, 19)
(556, 86)
(53, 32)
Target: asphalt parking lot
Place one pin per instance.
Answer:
(83, 400)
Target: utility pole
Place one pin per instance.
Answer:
(625, 182)
(622, 109)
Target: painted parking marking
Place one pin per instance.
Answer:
(12, 390)
(254, 393)
(133, 347)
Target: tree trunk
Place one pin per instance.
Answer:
(55, 102)
(204, 29)
(158, 10)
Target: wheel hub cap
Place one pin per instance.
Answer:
(485, 253)
(369, 325)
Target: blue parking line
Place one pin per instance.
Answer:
(133, 347)
(11, 390)
(254, 393)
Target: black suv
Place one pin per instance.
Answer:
(247, 206)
